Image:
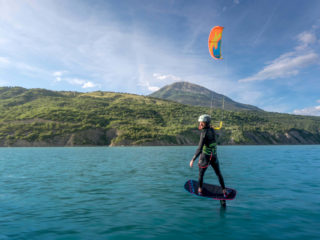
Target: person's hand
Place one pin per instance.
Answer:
(191, 163)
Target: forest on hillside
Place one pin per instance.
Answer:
(39, 117)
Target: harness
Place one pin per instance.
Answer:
(208, 162)
(212, 148)
(208, 150)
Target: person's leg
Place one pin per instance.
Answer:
(216, 167)
(201, 174)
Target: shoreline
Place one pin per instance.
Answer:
(172, 145)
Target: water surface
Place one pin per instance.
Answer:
(137, 193)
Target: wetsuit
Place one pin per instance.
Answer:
(208, 150)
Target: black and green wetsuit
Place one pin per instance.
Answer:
(207, 149)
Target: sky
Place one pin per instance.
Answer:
(270, 48)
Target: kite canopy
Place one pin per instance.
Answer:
(214, 42)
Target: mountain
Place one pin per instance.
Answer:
(39, 117)
(192, 94)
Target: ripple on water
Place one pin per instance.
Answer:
(137, 192)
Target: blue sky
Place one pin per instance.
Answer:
(271, 48)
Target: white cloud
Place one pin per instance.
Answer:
(146, 84)
(157, 80)
(83, 83)
(307, 38)
(58, 75)
(289, 64)
(169, 77)
(286, 65)
(313, 111)
(89, 85)
(153, 89)
(73, 81)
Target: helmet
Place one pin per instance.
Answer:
(204, 118)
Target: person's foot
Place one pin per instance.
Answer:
(225, 193)
(200, 191)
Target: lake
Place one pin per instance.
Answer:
(137, 193)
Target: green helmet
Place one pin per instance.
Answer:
(204, 118)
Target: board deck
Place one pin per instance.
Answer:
(209, 190)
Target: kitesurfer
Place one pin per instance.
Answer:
(207, 149)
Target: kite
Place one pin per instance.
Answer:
(214, 42)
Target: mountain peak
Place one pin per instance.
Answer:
(193, 94)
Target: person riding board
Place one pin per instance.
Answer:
(207, 149)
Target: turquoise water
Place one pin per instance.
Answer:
(137, 193)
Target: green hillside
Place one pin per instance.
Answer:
(38, 117)
(192, 94)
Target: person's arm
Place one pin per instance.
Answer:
(199, 149)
